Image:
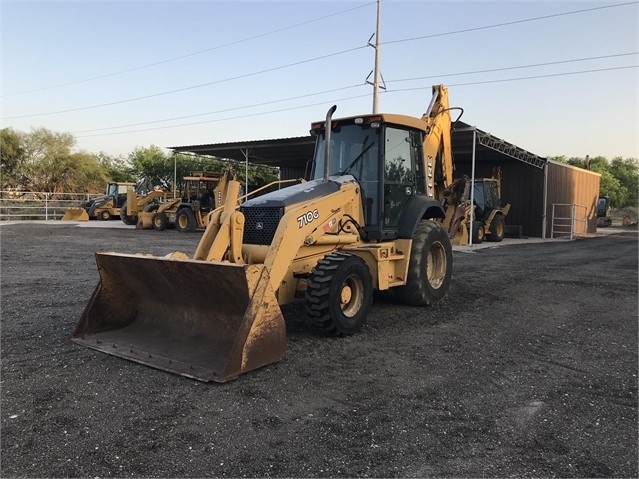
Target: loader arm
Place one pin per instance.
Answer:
(295, 230)
(302, 224)
(224, 230)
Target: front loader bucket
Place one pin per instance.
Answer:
(205, 320)
(145, 220)
(75, 214)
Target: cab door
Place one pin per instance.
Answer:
(399, 160)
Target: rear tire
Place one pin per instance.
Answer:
(339, 294)
(430, 268)
(497, 229)
(160, 221)
(127, 220)
(185, 221)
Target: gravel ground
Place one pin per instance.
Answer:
(527, 369)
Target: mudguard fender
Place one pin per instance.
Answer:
(418, 207)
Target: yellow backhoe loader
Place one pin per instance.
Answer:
(102, 207)
(488, 215)
(370, 218)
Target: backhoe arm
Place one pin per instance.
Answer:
(438, 154)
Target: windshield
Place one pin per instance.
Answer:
(354, 151)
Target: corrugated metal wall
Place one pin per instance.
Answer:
(291, 173)
(568, 185)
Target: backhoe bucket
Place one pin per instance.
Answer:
(75, 214)
(205, 320)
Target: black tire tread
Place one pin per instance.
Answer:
(318, 294)
(417, 291)
(493, 236)
(191, 225)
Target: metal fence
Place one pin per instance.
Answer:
(37, 205)
(568, 220)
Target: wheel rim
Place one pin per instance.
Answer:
(500, 229)
(156, 221)
(436, 265)
(351, 296)
(182, 221)
(480, 233)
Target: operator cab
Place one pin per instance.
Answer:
(384, 158)
(486, 197)
(118, 191)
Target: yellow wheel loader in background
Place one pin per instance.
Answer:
(136, 204)
(202, 193)
(370, 218)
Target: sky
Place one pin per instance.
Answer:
(553, 77)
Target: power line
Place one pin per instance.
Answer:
(192, 87)
(352, 86)
(503, 80)
(311, 60)
(532, 65)
(388, 91)
(514, 22)
(187, 55)
(281, 100)
(228, 118)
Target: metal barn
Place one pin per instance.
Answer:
(547, 198)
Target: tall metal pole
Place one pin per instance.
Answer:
(246, 162)
(174, 175)
(472, 189)
(376, 79)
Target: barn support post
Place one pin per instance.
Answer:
(544, 215)
(245, 152)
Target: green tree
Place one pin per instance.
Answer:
(84, 174)
(152, 165)
(116, 168)
(610, 186)
(44, 152)
(626, 171)
(11, 157)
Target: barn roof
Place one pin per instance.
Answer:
(296, 151)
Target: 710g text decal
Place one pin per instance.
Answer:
(307, 218)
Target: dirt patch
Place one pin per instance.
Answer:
(527, 369)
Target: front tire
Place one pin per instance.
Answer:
(430, 267)
(478, 233)
(339, 294)
(105, 215)
(160, 221)
(185, 221)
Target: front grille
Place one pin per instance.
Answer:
(260, 224)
